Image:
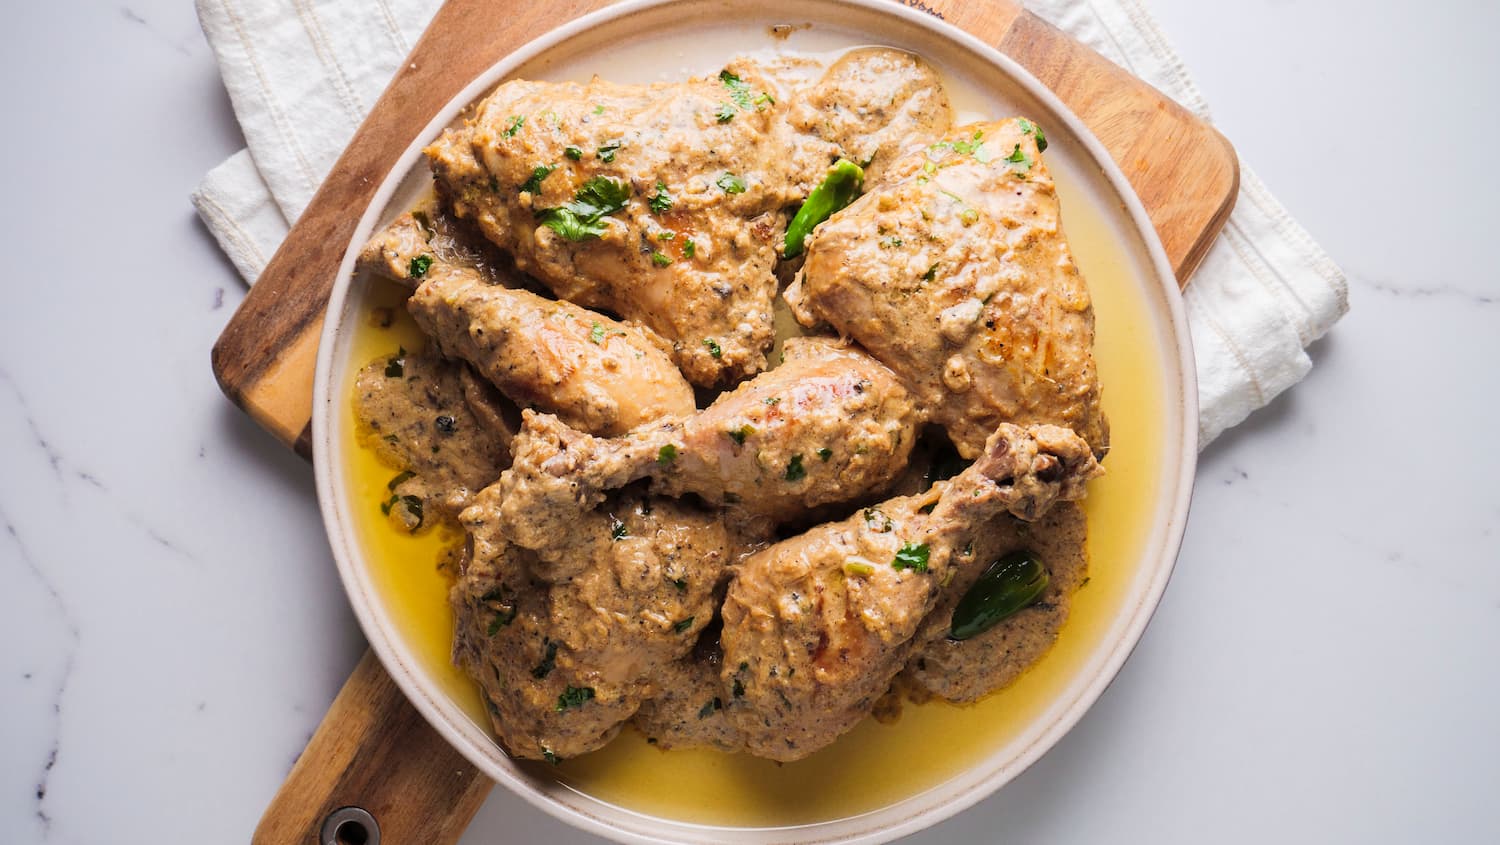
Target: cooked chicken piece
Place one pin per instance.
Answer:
(687, 710)
(663, 203)
(871, 105)
(829, 425)
(596, 373)
(562, 665)
(967, 670)
(815, 627)
(414, 413)
(956, 275)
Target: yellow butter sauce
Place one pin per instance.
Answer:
(875, 765)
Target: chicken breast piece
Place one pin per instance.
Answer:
(829, 425)
(871, 105)
(956, 275)
(815, 627)
(563, 665)
(662, 203)
(596, 373)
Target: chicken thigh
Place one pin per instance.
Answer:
(815, 627)
(562, 665)
(956, 275)
(663, 203)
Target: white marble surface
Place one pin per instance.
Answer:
(1325, 666)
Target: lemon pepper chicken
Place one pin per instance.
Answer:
(956, 275)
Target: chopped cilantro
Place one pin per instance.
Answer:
(574, 697)
(730, 183)
(679, 627)
(1035, 131)
(891, 243)
(738, 435)
(709, 708)
(661, 201)
(725, 112)
(549, 662)
(660, 259)
(573, 153)
(824, 454)
(689, 248)
(911, 556)
(878, 521)
(581, 218)
(607, 152)
(666, 454)
(713, 347)
(534, 184)
(596, 334)
(794, 470)
(1019, 159)
(617, 529)
(516, 122)
(396, 482)
(772, 400)
(931, 273)
(419, 266)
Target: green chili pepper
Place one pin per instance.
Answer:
(1009, 584)
(840, 187)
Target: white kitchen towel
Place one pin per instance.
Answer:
(302, 74)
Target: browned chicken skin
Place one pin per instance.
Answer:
(815, 627)
(956, 275)
(595, 373)
(707, 167)
(829, 425)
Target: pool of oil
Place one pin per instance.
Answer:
(932, 742)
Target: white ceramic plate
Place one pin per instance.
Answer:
(646, 40)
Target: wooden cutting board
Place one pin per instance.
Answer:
(373, 751)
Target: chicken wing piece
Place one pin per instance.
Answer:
(829, 425)
(815, 627)
(563, 665)
(956, 275)
(871, 105)
(662, 203)
(597, 374)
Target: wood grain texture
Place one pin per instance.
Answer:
(373, 749)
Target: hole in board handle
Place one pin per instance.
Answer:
(350, 826)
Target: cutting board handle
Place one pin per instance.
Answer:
(374, 772)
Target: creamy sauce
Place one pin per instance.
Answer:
(876, 764)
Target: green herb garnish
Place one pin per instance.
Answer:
(573, 153)
(685, 624)
(396, 482)
(549, 662)
(1035, 131)
(419, 266)
(912, 557)
(730, 183)
(617, 529)
(660, 259)
(581, 218)
(1020, 160)
(725, 112)
(713, 347)
(709, 708)
(574, 697)
(666, 454)
(794, 470)
(824, 454)
(596, 334)
(689, 248)
(607, 152)
(396, 367)
(516, 122)
(661, 201)
(738, 435)
(534, 184)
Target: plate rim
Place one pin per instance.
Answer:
(549, 795)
